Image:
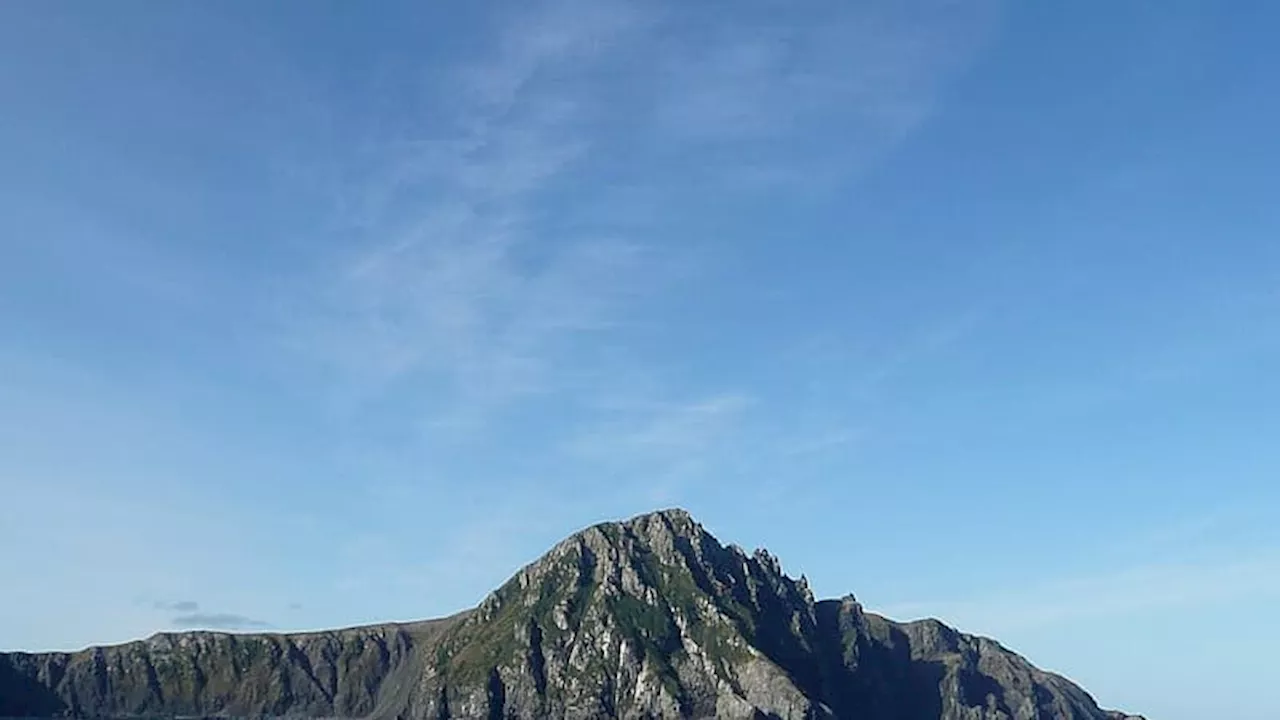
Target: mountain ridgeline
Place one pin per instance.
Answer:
(648, 618)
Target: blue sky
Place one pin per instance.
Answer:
(313, 314)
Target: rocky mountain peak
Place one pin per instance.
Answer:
(648, 617)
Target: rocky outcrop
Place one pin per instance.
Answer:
(650, 618)
(348, 673)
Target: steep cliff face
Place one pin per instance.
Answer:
(648, 618)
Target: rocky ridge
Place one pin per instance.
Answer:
(648, 618)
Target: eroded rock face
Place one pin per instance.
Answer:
(650, 618)
(347, 673)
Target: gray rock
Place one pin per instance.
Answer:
(649, 618)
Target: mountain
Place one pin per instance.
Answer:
(648, 618)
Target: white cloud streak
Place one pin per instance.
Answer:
(469, 284)
(505, 231)
(463, 283)
(1128, 591)
(218, 621)
(662, 448)
(664, 428)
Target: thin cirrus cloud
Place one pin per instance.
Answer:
(668, 443)
(868, 73)
(445, 292)
(670, 428)
(182, 606)
(478, 286)
(191, 617)
(1122, 592)
(218, 621)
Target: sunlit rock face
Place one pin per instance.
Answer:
(648, 618)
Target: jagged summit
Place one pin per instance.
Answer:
(652, 526)
(647, 617)
(675, 515)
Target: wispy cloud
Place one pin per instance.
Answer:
(189, 616)
(666, 444)
(825, 440)
(466, 287)
(476, 283)
(1118, 593)
(510, 229)
(1187, 562)
(182, 606)
(806, 98)
(662, 427)
(217, 621)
